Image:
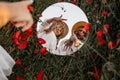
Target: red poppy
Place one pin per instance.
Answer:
(43, 51)
(101, 41)
(37, 44)
(110, 45)
(99, 33)
(96, 74)
(23, 37)
(74, 2)
(16, 41)
(87, 27)
(40, 75)
(104, 13)
(89, 1)
(16, 34)
(30, 8)
(18, 62)
(29, 32)
(22, 45)
(19, 78)
(15, 37)
(20, 39)
(41, 41)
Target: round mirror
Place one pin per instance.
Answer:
(62, 27)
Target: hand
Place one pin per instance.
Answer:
(56, 19)
(20, 14)
(67, 44)
(59, 18)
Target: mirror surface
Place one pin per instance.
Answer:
(62, 27)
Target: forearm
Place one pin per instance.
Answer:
(51, 20)
(4, 14)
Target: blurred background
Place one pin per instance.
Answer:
(98, 59)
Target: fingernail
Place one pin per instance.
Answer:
(23, 30)
(17, 26)
(32, 1)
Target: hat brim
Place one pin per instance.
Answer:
(78, 24)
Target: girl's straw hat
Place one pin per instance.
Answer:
(78, 24)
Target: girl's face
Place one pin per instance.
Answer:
(58, 30)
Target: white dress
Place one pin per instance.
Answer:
(6, 64)
(50, 38)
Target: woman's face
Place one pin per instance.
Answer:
(81, 33)
(58, 30)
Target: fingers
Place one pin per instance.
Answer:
(28, 25)
(61, 16)
(28, 2)
(25, 24)
(32, 1)
(20, 24)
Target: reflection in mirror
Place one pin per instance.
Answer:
(62, 29)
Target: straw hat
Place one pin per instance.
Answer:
(78, 24)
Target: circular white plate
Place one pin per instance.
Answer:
(72, 16)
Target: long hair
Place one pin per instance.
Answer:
(53, 24)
